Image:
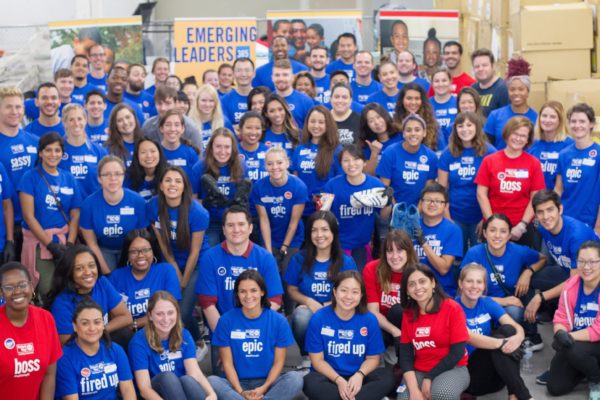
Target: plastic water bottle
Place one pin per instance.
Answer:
(527, 362)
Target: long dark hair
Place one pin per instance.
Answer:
(115, 141)
(251, 275)
(87, 303)
(290, 130)
(400, 239)
(327, 143)
(366, 133)
(183, 227)
(145, 234)
(46, 140)
(136, 174)
(62, 279)
(234, 163)
(410, 305)
(310, 251)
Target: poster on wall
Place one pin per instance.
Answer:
(121, 38)
(307, 29)
(200, 44)
(422, 32)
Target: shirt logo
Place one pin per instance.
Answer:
(221, 271)
(25, 349)
(9, 343)
(347, 334)
(423, 331)
(364, 331)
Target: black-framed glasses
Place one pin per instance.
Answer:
(9, 289)
(590, 263)
(137, 252)
(432, 201)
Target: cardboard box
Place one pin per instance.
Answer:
(572, 92)
(537, 96)
(484, 39)
(516, 5)
(469, 31)
(462, 6)
(499, 43)
(556, 27)
(563, 64)
(500, 13)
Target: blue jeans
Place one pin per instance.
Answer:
(469, 234)
(300, 318)
(187, 304)
(286, 387)
(171, 387)
(214, 233)
(111, 257)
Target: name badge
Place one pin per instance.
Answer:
(325, 331)
(238, 335)
(110, 368)
(589, 162)
(178, 162)
(127, 211)
(66, 191)
(32, 149)
(90, 159)
(174, 356)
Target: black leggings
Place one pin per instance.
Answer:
(375, 386)
(394, 315)
(491, 370)
(569, 366)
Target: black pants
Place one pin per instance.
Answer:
(491, 370)
(375, 386)
(394, 315)
(531, 238)
(570, 366)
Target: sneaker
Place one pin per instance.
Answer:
(534, 342)
(305, 364)
(542, 379)
(594, 391)
(201, 350)
(376, 197)
(399, 216)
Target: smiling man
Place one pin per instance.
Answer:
(460, 79)
(280, 48)
(48, 102)
(117, 83)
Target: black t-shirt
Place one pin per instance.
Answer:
(348, 129)
(494, 97)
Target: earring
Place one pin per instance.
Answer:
(154, 260)
(128, 263)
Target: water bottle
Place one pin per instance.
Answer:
(527, 362)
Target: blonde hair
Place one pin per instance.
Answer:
(69, 108)
(216, 118)
(176, 334)
(10, 91)
(561, 133)
(470, 267)
(277, 150)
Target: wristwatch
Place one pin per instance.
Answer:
(541, 294)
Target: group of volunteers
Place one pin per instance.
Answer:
(406, 232)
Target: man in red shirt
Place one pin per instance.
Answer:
(460, 79)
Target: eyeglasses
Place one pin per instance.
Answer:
(590, 263)
(112, 175)
(139, 252)
(435, 202)
(9, 289)
(97, 55)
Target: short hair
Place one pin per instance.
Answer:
(398, 22)
(319, 47)
(473, 266)
(206, 72)
(318, 28)
(453, 43)
(243, 59)
(347, 35)
(353, 150)
(483, 53)
(76, 56)
(590, 244)
(94, 92)
(236, 209)
(282, 64)
(365, 52)
(110, 158)
(298, 21)
(157, 61)
(14, 266)
(515, 123)
(63, 73)
(339, 72)
(132, 66)
(224, 66)
(543, 196)
(10, 91)
(117, 68)
(47, 85)
(583, 108)
(435, 187)
(164, 92)
(279, 22)
(251, 275)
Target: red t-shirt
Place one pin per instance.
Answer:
(374, 292)
(510, 182)
(432, 334)
(458, 82)
(26, 353)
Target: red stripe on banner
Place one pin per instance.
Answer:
(437, 14)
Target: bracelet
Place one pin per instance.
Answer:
(285, 245)
(504, 341)
(336, 378)
(135, 327)
(362, 373)
(524, 222)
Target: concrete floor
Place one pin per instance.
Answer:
(541, 360)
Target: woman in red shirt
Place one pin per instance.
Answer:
(382, 281)
(30, 345)
(432, 346)
(508, 179)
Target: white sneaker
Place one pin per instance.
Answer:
(201, 350)
(305, 364)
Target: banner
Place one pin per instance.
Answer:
(307, 29)
(422, 32)
(205, 43)
(121, 38)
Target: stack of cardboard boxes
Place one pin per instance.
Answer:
(559, 38)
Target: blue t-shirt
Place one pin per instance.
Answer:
(462, 189)
(387, 102)
(82, 162)
(397, 138)
(445, 114)
(340, 65)
(234, 105)
(207, 130)
(579, 170)
(99, 83)
(547, 153)
(198, 219)
(129, 148)
(344, 344)
(480, 319)
(356, 224)
(304, 165)
(97, 133)
(143, 100)
(323, 93)
(509, 266)
(80, 92)
(151, 90)
(497, 120)
(136, 293)
(252, 340)
(32, 111)
(224, 183)
(66, 302)
(424, 83)
(135, 106)
(264, 74)
(19, 156)
(408, 172)
(314, 284)
(299, 105)
(564, 246)
(272, 139)
(279, 203)
(147, 190)
(254, 161)
(111, 223)
(40, 130)
(586, 308)
(445, 239)
(361, 93)
(46, 210)
(94, 377)
(183, 156)
(6, 193)
(143, 357)
(219, 269)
